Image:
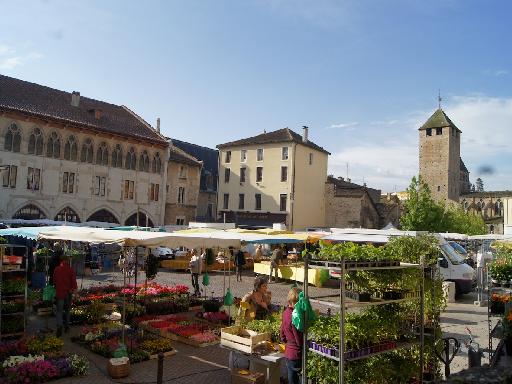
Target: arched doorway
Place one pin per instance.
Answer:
(144, 220)
(29, 212)
(103, 215)
(67, 214)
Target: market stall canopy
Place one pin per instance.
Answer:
(357, 238)
(454, 236)
(140, 238)
(26, 232)
(491, 236)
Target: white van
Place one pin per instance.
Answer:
(452, 266)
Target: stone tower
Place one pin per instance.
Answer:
(439, 156)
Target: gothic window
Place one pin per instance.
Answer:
(131, 159)
(71, 149)
(12, 139)
(102, 154)
(465, 205)
(117, 157)
(67, 214)
(87, 153)
(104, 216)
(144, 162)
(480, 206)
(156, 166)
(53, 146)
(29, 212)
(35, 142)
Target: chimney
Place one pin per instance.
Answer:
(75, 99)
(158, 125)
(305, 134)
(97, 114)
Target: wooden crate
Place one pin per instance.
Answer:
(229, 337)
(249, 378)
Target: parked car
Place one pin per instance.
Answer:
(163, 252)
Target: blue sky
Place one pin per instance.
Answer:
(363, 75)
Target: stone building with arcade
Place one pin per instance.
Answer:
(71, 158)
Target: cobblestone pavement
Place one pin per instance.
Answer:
(209, 365)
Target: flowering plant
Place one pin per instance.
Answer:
(156, 346)
(13, 361)
(507, 324)
(205, 337)
(49, 344)
(31, 372)
(79, 365)
(8, 348)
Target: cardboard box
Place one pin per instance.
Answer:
(250, 378)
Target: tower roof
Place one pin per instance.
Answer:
(439, 119)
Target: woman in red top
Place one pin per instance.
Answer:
(64, 279)
(293, 339)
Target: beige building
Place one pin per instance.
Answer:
(183, 178)
(71, 158)
(275, 177)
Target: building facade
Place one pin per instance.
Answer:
(70, 158)
(446, 174)
(275, 177)
(183, 179)
(207, 199)
(349, 205)
(439, 157)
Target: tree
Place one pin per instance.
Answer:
(479, 185)
(465, 222)
(423, 213)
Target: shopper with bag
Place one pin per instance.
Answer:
(293, 339)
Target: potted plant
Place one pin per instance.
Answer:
(507, 330)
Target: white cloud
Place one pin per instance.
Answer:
(388, 166)
(4, 49)
(10, 59)
(11, 62)
(348, 126)
(496, 72)
(389, 163)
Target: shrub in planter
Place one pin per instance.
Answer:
(138, 355)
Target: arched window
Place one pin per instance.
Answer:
(104, 216)
(131, 159)
(29, 212)
(71, 149)
(35, 142)
(465, 205)
(53, 146)
(144, 220)
(117, 157)
(87, 154)
(12, 139)
(156, 166)
(67, 214)
(480, 206)
(102, 154)
(144, 162)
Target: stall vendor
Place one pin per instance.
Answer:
(256, 304)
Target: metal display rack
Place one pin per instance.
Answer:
(6, 273)
(344, 305)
